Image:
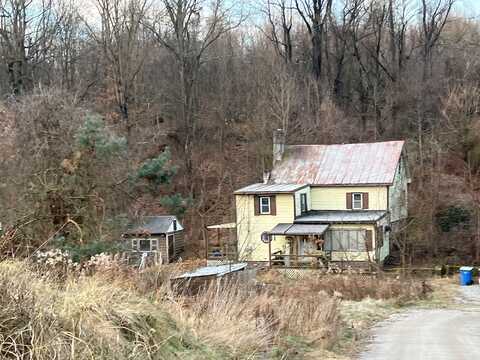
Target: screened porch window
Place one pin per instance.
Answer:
(345, 240)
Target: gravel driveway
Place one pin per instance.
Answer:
(439, 334)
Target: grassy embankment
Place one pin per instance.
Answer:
(119, 314)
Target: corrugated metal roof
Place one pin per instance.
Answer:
(280, 229)
(270, 188)
(307, 229)
(299, 229)
(347, 164)
(213, 271)
(153, 225)
(339, 216)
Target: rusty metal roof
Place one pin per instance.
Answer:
(346, 164)
(341, 216)
(299, 229)
(270, 188)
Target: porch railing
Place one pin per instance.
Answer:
(313, 261)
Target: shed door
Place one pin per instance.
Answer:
(171, 247)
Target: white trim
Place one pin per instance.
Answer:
(353, 201)
(179, 226)
(269, 205)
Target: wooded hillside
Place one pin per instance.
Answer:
(127, 107)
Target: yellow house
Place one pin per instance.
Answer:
(324, 203)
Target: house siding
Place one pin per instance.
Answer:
(179, 243)
(334, 197)
(162, 247)
(250, 227)
(398, 193)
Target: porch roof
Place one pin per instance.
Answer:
(299, 229)
(341, 216)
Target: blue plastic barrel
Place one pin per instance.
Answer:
(466, 275)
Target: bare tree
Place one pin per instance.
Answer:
(314, 14)
(183, 31)
(280, 20)
(68, 45)
(121, 43)
(342, 31)
(27, 33)
(399, 18)
(434, 16)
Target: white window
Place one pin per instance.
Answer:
(357, 201)
(264, 205)
(145, 245)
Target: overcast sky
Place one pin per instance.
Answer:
(469, 8)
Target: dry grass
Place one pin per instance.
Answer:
(120, 314)
(355, 287)
(251, 321)
(105, 317)
(87, 318)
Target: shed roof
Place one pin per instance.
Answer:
(341, 216)
(154, 225)
(299, 229)
(217, 271)
(261, 188)
(345, 164)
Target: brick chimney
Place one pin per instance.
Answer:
(278, 145)
(266, 177)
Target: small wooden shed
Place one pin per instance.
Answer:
(160, 237)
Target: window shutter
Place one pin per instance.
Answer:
(257, 205)
(365, 201)
(369, 240)
(273, 205)
(349, 200)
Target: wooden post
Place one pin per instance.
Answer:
(219, 242)
(206, 244)
(270, 252)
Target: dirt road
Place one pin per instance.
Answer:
(440, 334)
